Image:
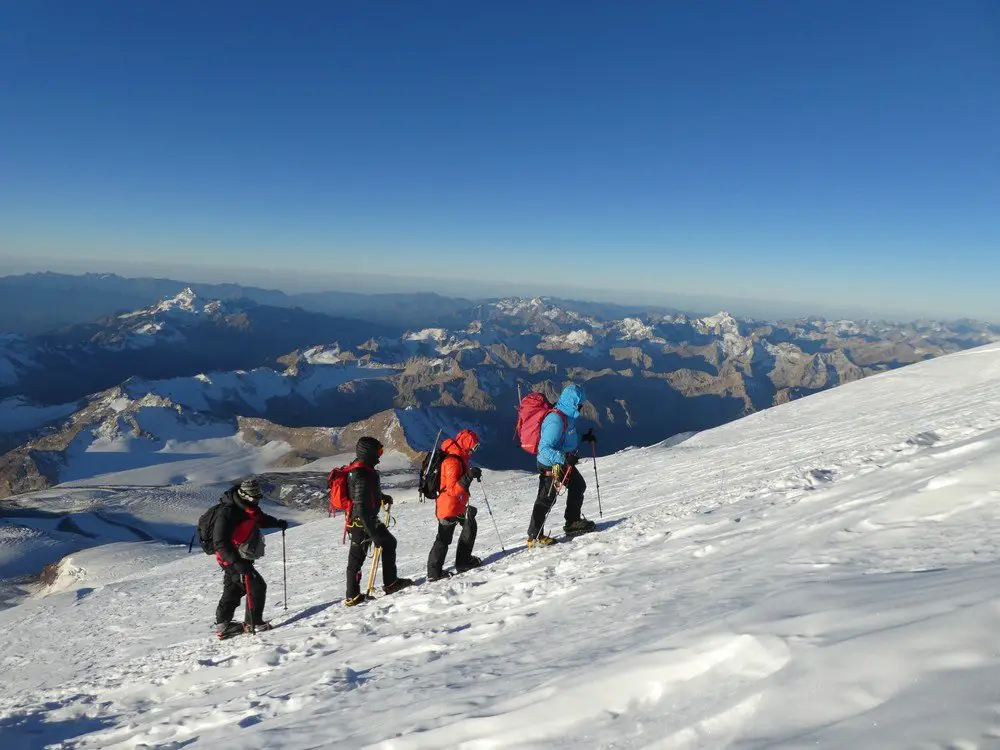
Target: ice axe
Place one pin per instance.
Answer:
(376, 557)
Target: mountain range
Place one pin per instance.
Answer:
(304, 385)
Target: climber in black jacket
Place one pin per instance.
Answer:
(365, 489)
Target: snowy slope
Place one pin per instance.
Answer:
(821, 574)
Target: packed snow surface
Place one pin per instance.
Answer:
(821, 574)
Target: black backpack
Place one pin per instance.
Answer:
(430, 475)
(205, 527)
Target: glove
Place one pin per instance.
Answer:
(386, 501)
(589, 436)
(282, 524)
(473, 472)
(571, 459)
(557, 472)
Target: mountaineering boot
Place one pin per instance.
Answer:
(468, 564)
(225, 630)
(398, 585)
(260, 627)
(439, 576)
(356, 600)
(540, 541)
(581, 526)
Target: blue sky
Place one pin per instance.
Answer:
(835, 153)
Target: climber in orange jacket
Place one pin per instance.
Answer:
(452, 506)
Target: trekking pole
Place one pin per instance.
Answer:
(284, 567)
(246, 585)
(597, 482)
(495, 526)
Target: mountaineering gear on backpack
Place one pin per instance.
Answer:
(206, 524)
(430, 475)
(531, 412)
(426, 485)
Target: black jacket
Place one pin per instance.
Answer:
(365, 490)
(234, 523)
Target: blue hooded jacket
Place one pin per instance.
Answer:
(553, 444)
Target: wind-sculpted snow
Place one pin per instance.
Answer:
(821, 574)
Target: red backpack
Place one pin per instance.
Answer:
(530, 414)
(340, 498)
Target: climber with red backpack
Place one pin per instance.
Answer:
(357, 489)
(555, 447)
(451, 505)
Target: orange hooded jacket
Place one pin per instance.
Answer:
(454, 498)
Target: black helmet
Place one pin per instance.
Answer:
(369, 450)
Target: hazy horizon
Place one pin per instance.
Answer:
(291, 283)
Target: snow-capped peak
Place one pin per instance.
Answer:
(432, 334)
(721, 320)
(635, 329)
(183, 300)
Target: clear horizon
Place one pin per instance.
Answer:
(784, 156)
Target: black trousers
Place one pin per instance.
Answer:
(360, 544)
(445, 533)
(576, 485)
(234, 588)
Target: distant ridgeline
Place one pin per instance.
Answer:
(188, 368)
